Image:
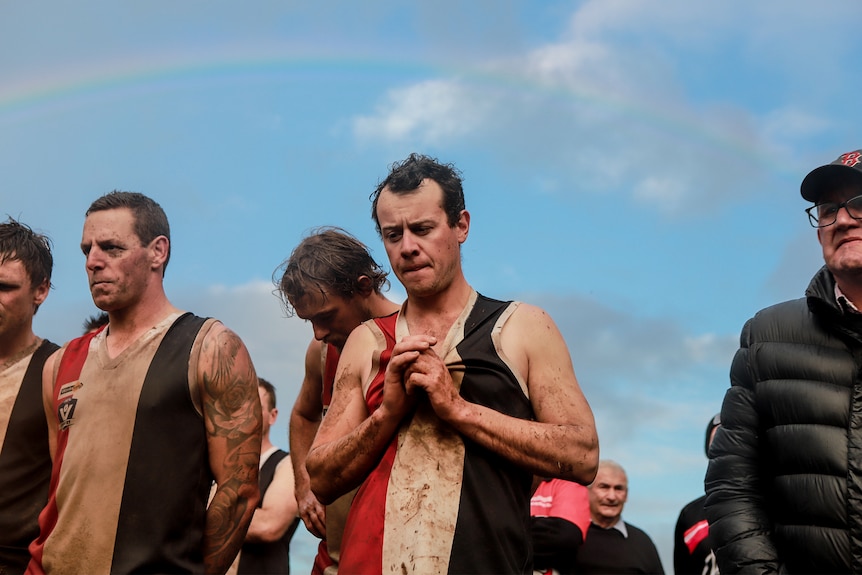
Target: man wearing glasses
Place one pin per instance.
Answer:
(784, 483)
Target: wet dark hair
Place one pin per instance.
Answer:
(407, 175)
(270, 390)
(19, 242)
(150, 219)
(329, 259)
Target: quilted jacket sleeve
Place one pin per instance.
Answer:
(739, 524)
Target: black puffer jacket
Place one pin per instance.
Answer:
(784, 483)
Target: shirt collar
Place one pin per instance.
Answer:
(844, 302)
(620, 526)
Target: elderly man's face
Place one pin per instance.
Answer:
(608, 495)
(842, 241)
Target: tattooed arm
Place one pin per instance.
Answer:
(232, 415)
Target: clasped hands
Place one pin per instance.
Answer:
(415, 369)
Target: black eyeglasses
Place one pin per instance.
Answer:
(825, 214)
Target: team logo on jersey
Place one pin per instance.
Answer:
(850, 159)
(66, 412)
(66, 405)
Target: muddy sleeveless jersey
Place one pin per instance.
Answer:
(437, 503)
(130, 479)
(25, 462)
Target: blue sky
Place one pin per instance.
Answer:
(633, 167)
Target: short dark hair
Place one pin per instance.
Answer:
(95, 321)
(19, 242)
(150, 219)
(269, 388)
(327, 259)
(407, 175)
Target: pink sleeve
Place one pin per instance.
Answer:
(572, 503)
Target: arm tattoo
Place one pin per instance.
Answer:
(230, 390)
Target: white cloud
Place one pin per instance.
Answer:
(668, 193)
(431, 112)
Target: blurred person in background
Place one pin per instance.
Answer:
(612, 545)
(692, 550)
(266, 550)
(559, 519)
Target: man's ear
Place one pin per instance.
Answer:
(364, 285)
(40, 292)
(159, 248)
(463, 226)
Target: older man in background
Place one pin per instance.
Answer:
(612, 545)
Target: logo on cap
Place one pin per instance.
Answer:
(850, 159)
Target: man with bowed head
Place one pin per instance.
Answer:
(143, 415)
(446, 410)
(331, 281)
(783, 482)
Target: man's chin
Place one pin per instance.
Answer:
(850, 268)
(103, 303)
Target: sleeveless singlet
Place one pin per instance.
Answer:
(131, 474)
(268, 558)
(436, 502)
(25, 460)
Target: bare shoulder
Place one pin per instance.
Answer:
(219, 339)
(49, 374)
(357, 354)
(530, 332)
(50, 369)
(225, 368)
(285, 468)
(529, 316)
(52, 362)
(536, 346)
